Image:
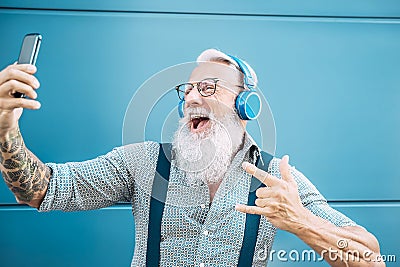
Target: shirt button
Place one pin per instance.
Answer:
(202, 265)
(205, 232)
(202, 206)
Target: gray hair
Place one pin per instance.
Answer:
(214, 55)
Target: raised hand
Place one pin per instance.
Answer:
(16, 78)
(25, 175)
(279, 201)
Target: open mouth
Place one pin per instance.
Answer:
(199, 123)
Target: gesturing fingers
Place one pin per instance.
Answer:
(284, 168)
(261, 175)
(249, 209)
(262, 202)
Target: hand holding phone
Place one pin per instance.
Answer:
(29, 52)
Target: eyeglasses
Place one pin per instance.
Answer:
(206, 87)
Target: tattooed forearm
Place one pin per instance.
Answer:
(25, 175)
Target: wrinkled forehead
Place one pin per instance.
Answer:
(216, 70)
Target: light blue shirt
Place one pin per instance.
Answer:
(194, 232)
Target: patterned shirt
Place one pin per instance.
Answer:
(194, 232)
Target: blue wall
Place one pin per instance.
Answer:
(330, 73)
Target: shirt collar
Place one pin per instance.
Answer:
(251, 146)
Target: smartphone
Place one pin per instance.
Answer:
(29, 52)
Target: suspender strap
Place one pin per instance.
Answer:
(252, 220)
(158, 197)
(157, 202)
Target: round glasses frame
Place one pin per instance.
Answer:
(206, 87)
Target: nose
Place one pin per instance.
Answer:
(193, 98)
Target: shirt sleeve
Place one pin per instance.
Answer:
(312, 199)
(95, 183)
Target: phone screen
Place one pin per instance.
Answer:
(30, 49)
(29, 52)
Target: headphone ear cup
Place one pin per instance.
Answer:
(248, 105)
(181, 107)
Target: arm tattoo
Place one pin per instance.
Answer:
(25, 175)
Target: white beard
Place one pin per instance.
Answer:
(205, 157)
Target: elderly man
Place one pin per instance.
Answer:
(205, 217)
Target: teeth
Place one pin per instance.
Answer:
(197, 116)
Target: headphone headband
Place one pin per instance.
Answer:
(248, 78)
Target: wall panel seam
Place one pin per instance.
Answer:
(203, 13)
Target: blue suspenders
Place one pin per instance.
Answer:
(252, 220)
(157, 205)
(157, 208)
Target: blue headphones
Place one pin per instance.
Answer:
(248, 103)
